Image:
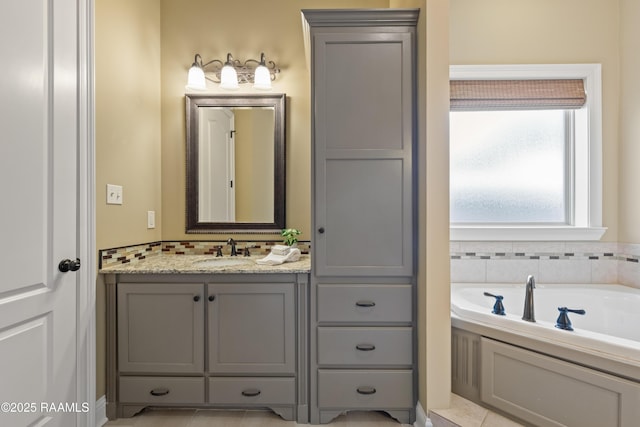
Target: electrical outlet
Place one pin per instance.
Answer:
(114, 194)
(151, 219)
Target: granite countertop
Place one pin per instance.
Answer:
(196, 264)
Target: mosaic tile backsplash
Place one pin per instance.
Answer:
(128, 254)
(482, 262)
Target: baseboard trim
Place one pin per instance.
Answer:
(101, 411)
(421, 417)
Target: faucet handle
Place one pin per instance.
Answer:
(498, 307)
(563, 321)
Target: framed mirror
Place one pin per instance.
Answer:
(235, 163)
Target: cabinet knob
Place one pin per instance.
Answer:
(321, 230)
(159, 391)
(251, 392)
(196, 298)
(366, 304)
(212, 298)
(366, 390)
(365, 347)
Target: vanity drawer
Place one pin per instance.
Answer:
(252, 391)
(364, 303)
(385, 389)
(161, 390)
(364, 346)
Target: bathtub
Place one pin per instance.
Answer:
(542, 375)
(609, 329)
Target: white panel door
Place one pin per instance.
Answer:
(216, 176)
(38, 212)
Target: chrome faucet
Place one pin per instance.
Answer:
(529, 314)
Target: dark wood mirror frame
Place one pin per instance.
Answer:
(193, 102)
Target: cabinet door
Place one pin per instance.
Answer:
(161, 327)
(251, 328)
(363, 143)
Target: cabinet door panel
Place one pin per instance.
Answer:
(161, 327)
(355, 389)
(162, 390)
(356, 116)
(364, 216)
(364, 303)
(364, 346)
(254, 391)
(363, 146)
(251, 328)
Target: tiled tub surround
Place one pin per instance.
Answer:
(133, 253)
(549, 262)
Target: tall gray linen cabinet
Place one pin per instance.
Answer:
(363, 310)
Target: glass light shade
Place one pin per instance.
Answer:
(228, 78)
(196, 78)
(262, 78)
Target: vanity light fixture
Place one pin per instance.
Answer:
(232, 72)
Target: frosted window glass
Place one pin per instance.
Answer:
(508, 167)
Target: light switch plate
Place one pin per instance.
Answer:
(151, 219)
(114, 194)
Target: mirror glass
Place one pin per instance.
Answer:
(235, 163)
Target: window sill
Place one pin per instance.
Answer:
(526, 233)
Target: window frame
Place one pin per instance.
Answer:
(586, 221)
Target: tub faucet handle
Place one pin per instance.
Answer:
(498, 307)
(563, 321)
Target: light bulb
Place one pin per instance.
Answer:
(196, 79)
(228, 77)
(262, 78)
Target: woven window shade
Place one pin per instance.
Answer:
(516, 94)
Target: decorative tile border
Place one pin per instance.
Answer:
(543, 255)
(550, 262)
(128, 254)
(210, 247)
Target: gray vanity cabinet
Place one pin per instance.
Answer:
(363, 109)
(363, 352)
(213, 341)
(161, 328)
(251, 328)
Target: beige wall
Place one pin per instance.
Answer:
(629, 176)
(127, 90)
(127, 119)
(548, 31)
(434, 326)
(244, 28)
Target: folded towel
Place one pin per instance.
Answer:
(275, 259)
(280, 249)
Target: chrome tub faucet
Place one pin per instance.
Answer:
(529, 312)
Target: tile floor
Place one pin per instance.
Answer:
(462, 413)
(220, 418)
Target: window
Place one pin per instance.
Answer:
(526, 174)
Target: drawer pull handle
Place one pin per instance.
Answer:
(196, 298)
(366, 304)
(365, 347)
(366, 390)
(212, 298)
(159, 392)
(252, 392)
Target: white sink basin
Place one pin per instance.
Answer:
(222, 262)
